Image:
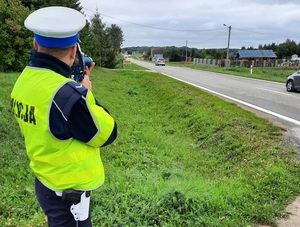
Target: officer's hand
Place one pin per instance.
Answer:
(86, 80)
(91, 67)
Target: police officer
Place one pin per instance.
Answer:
(62, 123)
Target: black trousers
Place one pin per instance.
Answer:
(57, 211)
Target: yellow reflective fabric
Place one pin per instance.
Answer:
(100, 119)
(59, 164)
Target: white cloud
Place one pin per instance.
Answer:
(172, 22)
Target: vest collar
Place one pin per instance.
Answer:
(42, 60)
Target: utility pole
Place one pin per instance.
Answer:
(186, 51)
(227, 55)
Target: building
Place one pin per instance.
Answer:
(156, 52)
(255, 55)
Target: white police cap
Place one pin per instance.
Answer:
(55, 26)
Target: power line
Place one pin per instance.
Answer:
(194, 30)
(212, 38)
(268, 34)
(159, 28)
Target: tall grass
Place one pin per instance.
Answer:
(182, 158)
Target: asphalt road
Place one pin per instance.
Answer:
(269, 96)
(269, 99)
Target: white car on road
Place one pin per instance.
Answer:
(160, 61)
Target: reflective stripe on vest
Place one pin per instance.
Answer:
(59, 164)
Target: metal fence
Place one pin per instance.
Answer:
(246, 63)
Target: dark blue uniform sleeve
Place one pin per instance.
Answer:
(70, 116)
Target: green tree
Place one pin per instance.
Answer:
(98, 38)
(200, 53)
(115, 36)
(37, 4)
(214, 54)
(102, 51)
(16, 40)
(86, 43)
(287, 49)
(175, 54)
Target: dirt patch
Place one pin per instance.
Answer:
(293, 219)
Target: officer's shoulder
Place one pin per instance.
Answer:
(73, 87)
(70, 91)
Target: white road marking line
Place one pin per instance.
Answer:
(285, 118)
(279, 92)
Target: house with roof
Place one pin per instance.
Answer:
(255, 55)
(156, 52)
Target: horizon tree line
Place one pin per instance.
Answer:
(282, 50)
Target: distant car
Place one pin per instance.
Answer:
(293, 82)
(160, 61)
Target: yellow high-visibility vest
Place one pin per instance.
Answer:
(58, 164)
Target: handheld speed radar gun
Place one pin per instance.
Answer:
(81, 61)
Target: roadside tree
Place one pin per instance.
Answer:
(115, 36)
(15, 39)
(102, 51)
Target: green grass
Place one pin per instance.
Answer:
(182, 158)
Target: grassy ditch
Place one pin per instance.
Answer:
(182, 158)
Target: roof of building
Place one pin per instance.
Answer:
(255, 54)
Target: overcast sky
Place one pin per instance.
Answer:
(199, 23)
